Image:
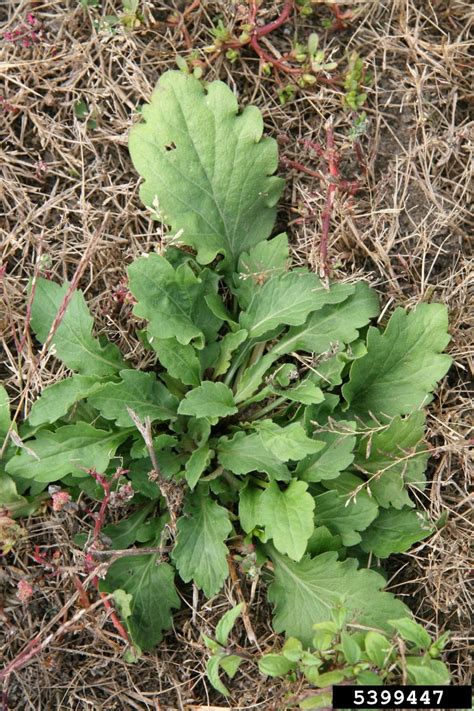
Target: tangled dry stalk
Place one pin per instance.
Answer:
(68, 187)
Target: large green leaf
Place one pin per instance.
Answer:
(266, 449)
(333, 458)
(139, 391)
(56, 400)
(344, 515)
(394, 456)
(72, 342)
(303, 594)
(171, 300)
(288, 517)
(402, 364)
(200, 553)
(151, 585)
(287, 443)
(288, 299)
(67, 450)
(244, 453)
(349, 308)
(180, 361)
(209, 399)
(206, 166)
(395, 532)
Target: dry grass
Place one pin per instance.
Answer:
(65, 186)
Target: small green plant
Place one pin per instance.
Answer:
(355, 79)
(276, 417)
(340, 652)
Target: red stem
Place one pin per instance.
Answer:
(281, 19)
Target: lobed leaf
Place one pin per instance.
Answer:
(139, 391)
(153, 596)
(402, 364)
(67, 450)
(288, 517)
(72, 342)
(200, 553)
(304, 592)
(206, 167)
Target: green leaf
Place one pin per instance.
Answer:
(290, 442)
(229, 343)
(264, 261)
(411, 631)
(167, 298)
(292, 649)
(200, 553)
(333, 458)
(304, 592)
(319, 701)
(10, 499)
(245, 453)
(226, 623)
(305, 392)
(395, 532)
(230, 664)
(56, 400)
(72, 342)
(378, 648)
(151, 585)
(349, 308)
(275, 665)
(402, 365)
(249, 507)
(180, 361)
(4, 414)
(197, 463)
(138, 391)
(212, 671)
(67, 450)
(288, 517)
(424, 671)
(124, 533)
(394, 456)
(322, 540)
(209, 399)
(284, 299)
(207, 166)
(350, 648)
(345, 516)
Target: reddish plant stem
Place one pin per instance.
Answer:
(275, 24)
(98, 525)
(334, 184)
(339, 23)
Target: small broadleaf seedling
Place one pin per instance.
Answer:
(276, 417)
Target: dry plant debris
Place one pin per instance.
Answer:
(70, 89)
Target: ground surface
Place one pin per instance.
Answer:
(68, 185)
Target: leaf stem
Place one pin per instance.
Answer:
(271, 406)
